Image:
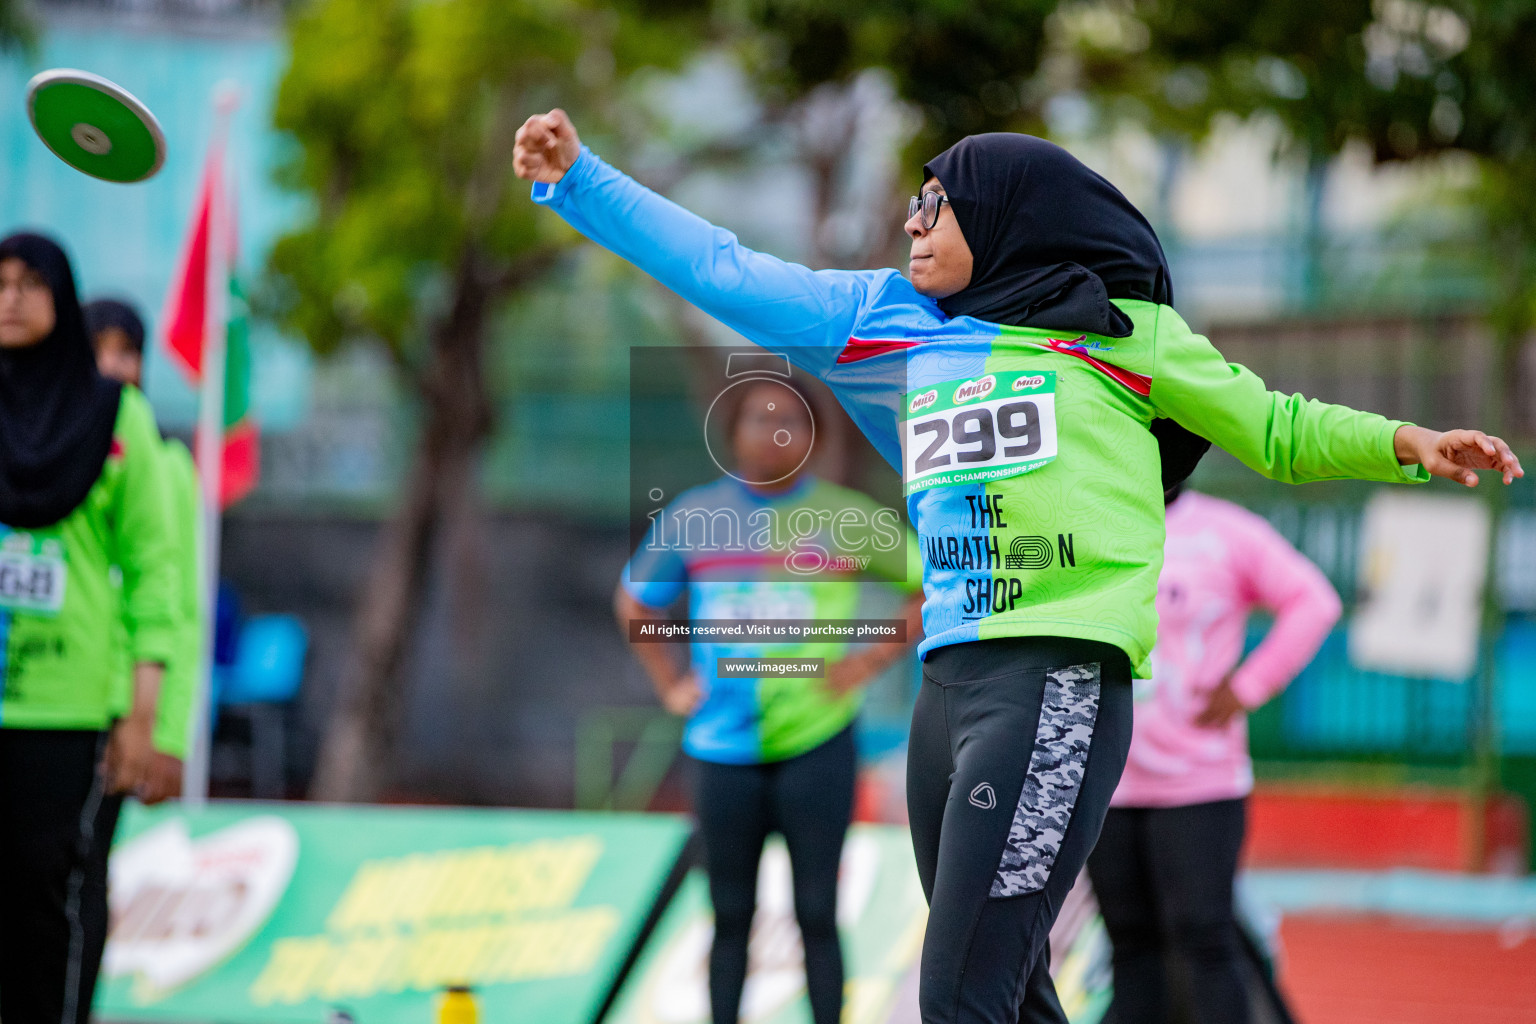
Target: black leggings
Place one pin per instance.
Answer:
(809, 799)
(51, 802)
(1017, 745)
(1163, 877)
(94, 912)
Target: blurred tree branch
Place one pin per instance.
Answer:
(403, 115)
(1412, 80)
(964, 66)
(17, 30)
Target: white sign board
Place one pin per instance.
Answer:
(1423, 564)
(180, 906)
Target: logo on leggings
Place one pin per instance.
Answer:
(983, 797)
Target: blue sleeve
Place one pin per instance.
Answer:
(655, 575)
(781, 306)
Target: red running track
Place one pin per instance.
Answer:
(1380, 970)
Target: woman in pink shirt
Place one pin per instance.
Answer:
(1164, 865)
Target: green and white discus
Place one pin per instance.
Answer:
(95, 126)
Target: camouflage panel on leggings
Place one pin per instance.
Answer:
(1055, 774)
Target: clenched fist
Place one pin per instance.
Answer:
(547, 146)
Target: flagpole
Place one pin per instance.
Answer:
(210, 452)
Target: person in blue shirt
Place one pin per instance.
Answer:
(769, 542)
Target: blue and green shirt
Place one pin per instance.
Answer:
(729, 547)
(1031, 476)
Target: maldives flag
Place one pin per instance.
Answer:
(187, 324)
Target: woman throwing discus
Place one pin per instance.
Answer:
(1013, 379)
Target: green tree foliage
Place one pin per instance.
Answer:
(964, 66)
(16, 29)
(403, 115)
(1411, 79)
(969, 65)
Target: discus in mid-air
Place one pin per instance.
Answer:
(95, 126)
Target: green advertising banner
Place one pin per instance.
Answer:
(275, 914)
(880, 910)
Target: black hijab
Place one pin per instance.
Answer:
(57, 414)
(1052, 243)
(103, 314)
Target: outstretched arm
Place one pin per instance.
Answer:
(778, 305)
(1297, 440)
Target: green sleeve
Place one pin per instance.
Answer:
(1285, 437)
(122, 661)
(144, 538)
(175, 710)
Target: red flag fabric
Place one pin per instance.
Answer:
(186, 307)
(186, 328)
(242, 462)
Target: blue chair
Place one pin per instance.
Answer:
(269, 661)
(265, 676)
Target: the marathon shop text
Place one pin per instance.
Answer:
(973, 552)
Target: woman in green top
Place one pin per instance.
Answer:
(117, 333)
(81, 490)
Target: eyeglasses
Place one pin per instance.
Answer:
(929, 202)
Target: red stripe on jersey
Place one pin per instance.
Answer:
(1139, 383)
(858, 348)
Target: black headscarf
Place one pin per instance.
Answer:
(101, 314)
(57, 413)
(1052, 242)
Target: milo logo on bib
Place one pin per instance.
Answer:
(978, 430)
(922, 400)
(32, 573)
(975, 389)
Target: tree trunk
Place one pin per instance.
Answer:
(438, 492)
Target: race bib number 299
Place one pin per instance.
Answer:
(32, 574)
(979, 430)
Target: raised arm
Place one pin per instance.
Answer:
(776, 304)
(1297, 440)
